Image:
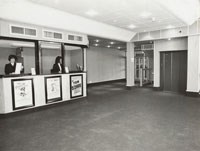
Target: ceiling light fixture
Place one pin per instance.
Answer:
(170, 26)
(145, 14)
(118, 47)
(153, 19)
(108, 46)
(92, 13)
(111, 42)
(131, 26)
(96, 44)
(56, 1)
(97, 40)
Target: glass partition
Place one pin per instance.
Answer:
(49, 52)
(23, 51)
(73, 58)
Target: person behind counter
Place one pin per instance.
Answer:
(11, 66)
(58, 67)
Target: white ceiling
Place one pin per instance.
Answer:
(122, 13)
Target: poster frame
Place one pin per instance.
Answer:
(81, 77)
(46, 93)
(13, 94)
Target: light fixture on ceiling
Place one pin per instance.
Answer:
(108, 46)
(111, 42)
(91, 13)
(145, 14)
(118, 47)
(96, 44)
(153, 19)
(170, 26)
(131, 26)
(97, 40)
(56, 1)
(169, 39)
(31, 45)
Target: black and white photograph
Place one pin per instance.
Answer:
(94, 75)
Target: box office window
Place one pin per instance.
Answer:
(49, 52)
(24, 52)
(73, 58)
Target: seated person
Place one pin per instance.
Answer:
(58, 67)
(10, 67)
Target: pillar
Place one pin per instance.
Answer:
(193, 73)
(130, 79)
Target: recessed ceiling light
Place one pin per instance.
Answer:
(169, 38)
(97, 40)
(92, 13)
(153, 19)
(108, 46)
(170, 26)
(145, 14)
(96, 44)
(131, 26)
(111, 42)
(118, 47)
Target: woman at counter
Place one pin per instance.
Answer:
(58, 67)
(10, 67)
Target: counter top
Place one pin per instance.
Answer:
(29, 74)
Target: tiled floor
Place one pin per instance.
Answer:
(111, 118)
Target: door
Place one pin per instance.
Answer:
(173, 71)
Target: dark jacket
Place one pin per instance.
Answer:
(9, 68)
(56, 68)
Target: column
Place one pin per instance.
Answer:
(84, 60)
(130, 79)
(193, 71)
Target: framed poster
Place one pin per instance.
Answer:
(22, 93)
(53, 89)
(76, 85)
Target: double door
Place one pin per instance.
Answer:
(173, 71)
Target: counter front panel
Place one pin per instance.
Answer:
(20, 93)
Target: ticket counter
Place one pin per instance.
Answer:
(36, 49)
(27, 91)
